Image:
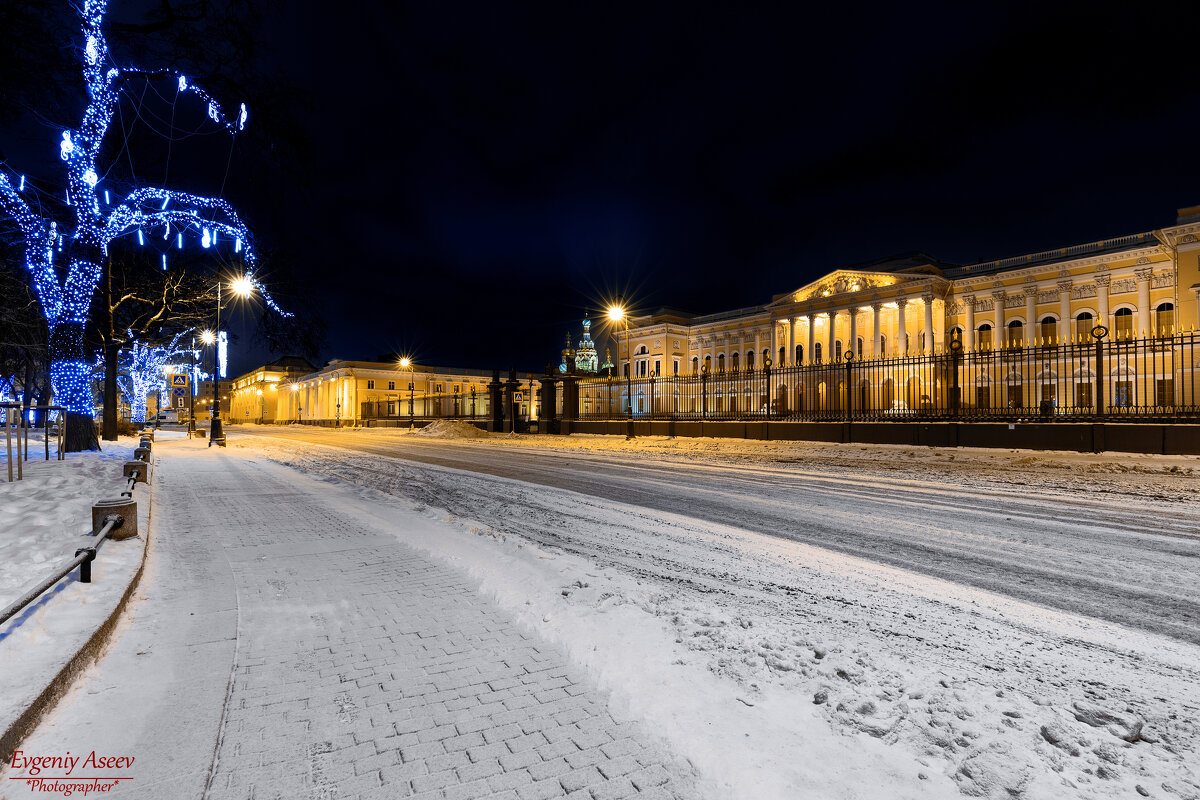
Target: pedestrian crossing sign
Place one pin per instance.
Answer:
(179, 380)
(519, 397)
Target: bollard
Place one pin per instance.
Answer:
(123, 506)
(146, 443)
(142, 468)
(142, 454)
(147, 434)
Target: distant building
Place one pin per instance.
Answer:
(586, 359)
(253, 396)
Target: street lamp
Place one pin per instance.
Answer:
(406, 363)
(241, 287)
(618, 314)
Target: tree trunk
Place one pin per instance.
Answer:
(71, 377)
(110, 391)
(110, 361)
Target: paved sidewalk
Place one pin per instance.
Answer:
(362, 668)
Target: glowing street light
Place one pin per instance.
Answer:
(407, 363)
(618, 313)
(241, 286)
(208, 337)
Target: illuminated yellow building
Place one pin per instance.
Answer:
(255, 396)
(1138, 285)
(358, 392)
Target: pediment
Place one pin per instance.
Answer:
(844, 282)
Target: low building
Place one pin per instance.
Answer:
(372, 392)
(254, 397)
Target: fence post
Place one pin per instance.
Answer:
(956, 351)
(849, 410)
(767, 378)
(1098, 333)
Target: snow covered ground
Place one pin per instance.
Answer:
(784, 669)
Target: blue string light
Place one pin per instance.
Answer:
(65, 300)
(143, 364)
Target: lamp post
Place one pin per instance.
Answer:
(241, 287)
(619, 314)
(260, 407)
(407, 363)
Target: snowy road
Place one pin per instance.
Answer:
(1107, 545)
(995, 619)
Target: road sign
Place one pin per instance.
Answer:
(177, 392)
(179, 380)
(519, 397)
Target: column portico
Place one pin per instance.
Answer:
(832, 336)
(1030, 315)
(927, 344)
(874, 348)
(901, 332)
(852, 346)
(1064, 310)
(791, 342)
(969, 338)
(1141, 325)
(1102, 282)
(812, 338)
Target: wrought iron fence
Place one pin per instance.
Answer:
(1148, 378)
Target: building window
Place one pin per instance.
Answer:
(837, 350)
(734, 362)
(799, 354)
(1164, 323)
(882, 344)
(695, 365)
(782, 356)
(675, 367)
(860, 347)
(750, 360)
(1083, 328)
(1123, 323)
(1049, 330)
(370, 384)
(439, 387)
(1164, 392)
(708, 363)
(391, 386)
(721, 363)
(657, 367)
(817, 353)
(985, 337)
(1016, 333)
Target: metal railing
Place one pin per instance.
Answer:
(24, 427)
(1152, 378)
(83, 559)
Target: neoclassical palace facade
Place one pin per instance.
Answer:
(1142, 285)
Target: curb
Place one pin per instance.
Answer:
(87, 654)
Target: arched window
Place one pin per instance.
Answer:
(799, 354)
(1084, 323)
(1016, 333)
(782, 357)
(984, 339)
(695, 365)
(1123, 323)
(1049, 330)
(1164, 319)
(859, 354)
(721, 363)
(734, 362)
(837, 350)
(882, 345)
(707, 364)
(817, 353)
(750, 359)
(766, 356)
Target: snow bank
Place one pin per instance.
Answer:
(451, 429)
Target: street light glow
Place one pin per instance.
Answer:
(242, 287)
(616, 313)
(208, 337)
(406, 362)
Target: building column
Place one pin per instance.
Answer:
(829, 354)
(969, 333)
(1000, 337)
(791, 342)
(757, 348)
(810, 351)
(901, 327)
(874, 349)
(1030, 315)
(774, 340)
(1064, 311)
(1102, 282)
(1142, 323)
(854, 332)
(927, 298)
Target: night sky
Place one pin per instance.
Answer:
(483, 173)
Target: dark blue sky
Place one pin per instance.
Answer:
(482, 173)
